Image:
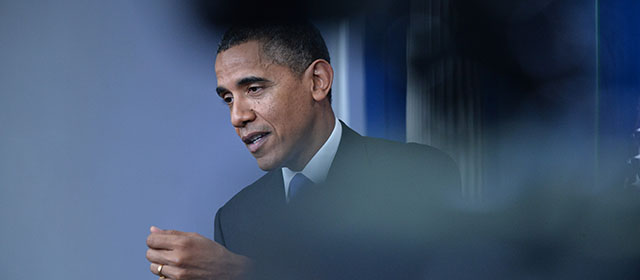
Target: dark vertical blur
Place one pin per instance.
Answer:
(619, 94)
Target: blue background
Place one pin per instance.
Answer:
(109, 124)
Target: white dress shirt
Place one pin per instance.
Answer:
(318, 167)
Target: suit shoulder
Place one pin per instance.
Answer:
(381, 149)
(413, 160)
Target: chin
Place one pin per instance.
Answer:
(267, 165)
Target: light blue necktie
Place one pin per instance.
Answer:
(298, 184)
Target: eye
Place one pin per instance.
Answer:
(227, 98)
(254, 89)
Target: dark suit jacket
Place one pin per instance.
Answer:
(372, 218)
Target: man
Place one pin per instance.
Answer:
(333, 204)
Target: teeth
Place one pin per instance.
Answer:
(256, 138)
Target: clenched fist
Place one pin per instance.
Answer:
(191, 256)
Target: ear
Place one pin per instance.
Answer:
(321, 74)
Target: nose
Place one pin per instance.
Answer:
(241, 113)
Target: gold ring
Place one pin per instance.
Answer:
(160, 271)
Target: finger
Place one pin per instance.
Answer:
(163, 241)
(160, 256)
(154, 268)
(155, 229)
(168, 271)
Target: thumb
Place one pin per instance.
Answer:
(173, 232)
(155, 229)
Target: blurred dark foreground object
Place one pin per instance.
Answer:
(225, 13)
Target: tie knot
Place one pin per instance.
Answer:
(298, 184)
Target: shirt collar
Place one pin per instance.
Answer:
(318, 167)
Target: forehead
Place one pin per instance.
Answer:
(241, 60)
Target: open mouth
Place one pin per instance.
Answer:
(255, 140)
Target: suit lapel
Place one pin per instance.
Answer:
(274, 189)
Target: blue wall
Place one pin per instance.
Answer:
(109, 123)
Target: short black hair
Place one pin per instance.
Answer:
(295, 44)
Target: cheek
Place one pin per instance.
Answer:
(273, 109)
(284, 110)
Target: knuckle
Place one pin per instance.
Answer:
(148, 255)
(186, 242)
(183, 260)
(179, 261)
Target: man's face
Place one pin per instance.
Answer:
(271, 107)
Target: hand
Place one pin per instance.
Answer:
(192, 256)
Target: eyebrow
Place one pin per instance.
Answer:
(243, 82)
(250, 80)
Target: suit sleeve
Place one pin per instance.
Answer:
(217, 232)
